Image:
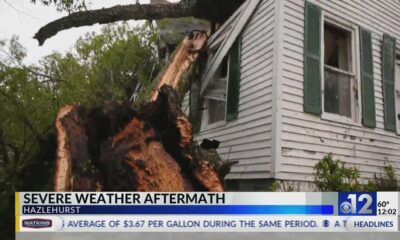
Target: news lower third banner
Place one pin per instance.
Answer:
(207, 212)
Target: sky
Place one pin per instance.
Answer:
(22, 18)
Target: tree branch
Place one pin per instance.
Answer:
(50, 78)
(3, 148)
(23, 117)
(116, 13)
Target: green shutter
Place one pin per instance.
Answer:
(312, 59)
(195, 106)
(367, 80)
(233, 81)
(388, 69)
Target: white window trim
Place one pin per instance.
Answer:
(205, 125)
(356, 106)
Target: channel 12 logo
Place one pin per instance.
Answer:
(357, 204)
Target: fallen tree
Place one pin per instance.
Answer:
(116, 147)
(216, 11)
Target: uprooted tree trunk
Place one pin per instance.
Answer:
(117, 148)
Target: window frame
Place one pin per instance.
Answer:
(356, 105)
(205, 125)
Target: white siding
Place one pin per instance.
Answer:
(305, 138)
(248, 139)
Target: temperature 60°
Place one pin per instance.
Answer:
(383, 203)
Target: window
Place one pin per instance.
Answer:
(221, 100)
(216, 96)
(343, 68)
(216, 111)
(340, 89)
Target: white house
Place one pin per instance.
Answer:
(289, 81)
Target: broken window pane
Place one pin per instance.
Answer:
(337, 46)
(337, 93)
(216, 111)
(337, 71)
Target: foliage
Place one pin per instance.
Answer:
(285, 186)
(26, 111)
(11, 51)
(102, 67)
(333, 175)
(65, 5)
(111, 66)
(274, 186)
(387, 181)
(384, 182)
(115, 74)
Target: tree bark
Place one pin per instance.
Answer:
(185, 55)
(114, 14)
(216, 11)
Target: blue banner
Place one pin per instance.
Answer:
(181, 209)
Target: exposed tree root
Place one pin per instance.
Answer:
(117, 148)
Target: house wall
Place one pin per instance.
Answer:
(248, 138)
(306, 138)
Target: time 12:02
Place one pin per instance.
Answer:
(384, 211)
